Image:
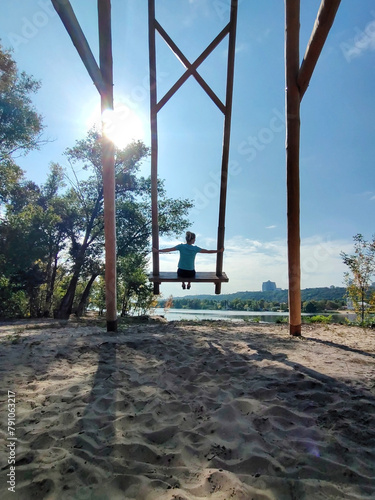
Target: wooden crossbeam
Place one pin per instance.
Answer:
(191, 68)
(324, 20)
(72, 26)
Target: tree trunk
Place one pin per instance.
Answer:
(50, 289)
(66, 305)
(82, 303)
(363, 296)
(125, 303)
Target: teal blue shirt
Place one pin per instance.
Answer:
(187, 256)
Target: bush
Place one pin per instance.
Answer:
(252, 319)
(282, 319)
(318, 319)
(13, 302)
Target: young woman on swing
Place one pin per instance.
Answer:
(188, 251)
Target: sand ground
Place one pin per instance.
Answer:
(188, 411)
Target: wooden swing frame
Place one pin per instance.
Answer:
(297, 80)
(155, 106)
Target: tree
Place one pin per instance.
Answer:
(310, 306)
(31, 237)
(134, 222)
(134, 290)
(98, 295)
(133, 213)
(20, 125)
(362, 270)
(87, 223)
(58, 207)
(10, 175)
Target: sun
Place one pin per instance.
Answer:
(122, 125)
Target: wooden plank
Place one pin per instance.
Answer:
(200, 277)
(108, 162)
(68, 18)
(322, 26)
(292, 21)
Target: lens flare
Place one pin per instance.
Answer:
(121, 125)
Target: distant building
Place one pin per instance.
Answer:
(268, 286)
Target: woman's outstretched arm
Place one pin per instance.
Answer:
(202, 250)
(172, 249)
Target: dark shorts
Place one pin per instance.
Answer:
(184, 273)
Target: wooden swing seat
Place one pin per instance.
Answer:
(202, 277)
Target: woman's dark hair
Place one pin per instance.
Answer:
(189, 236)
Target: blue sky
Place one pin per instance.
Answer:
(337, 124)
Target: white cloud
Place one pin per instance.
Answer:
(368, 195)
(271, 227)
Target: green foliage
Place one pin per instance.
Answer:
(135, 293)
(52, 241)
(98, 295)
(13, 301)
(20, 124)
(310, 306)
(336, 294)
(317, 319)
(252, 319)
(52, 238)
(133, 215)
(361, 272)
(31, 237)
(248, 304)
(282, 320)
(10, 175)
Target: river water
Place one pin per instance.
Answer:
(264, 317)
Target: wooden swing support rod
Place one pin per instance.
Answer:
(225, 108)
(102, 78)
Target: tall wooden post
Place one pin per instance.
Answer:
(154, 143)
(108, 162)
(292, 21)
(226, 140)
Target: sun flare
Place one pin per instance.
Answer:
(122, 125)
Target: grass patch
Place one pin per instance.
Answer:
(325, 320)
(282, 320)
(14, 338)
(252, 319)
